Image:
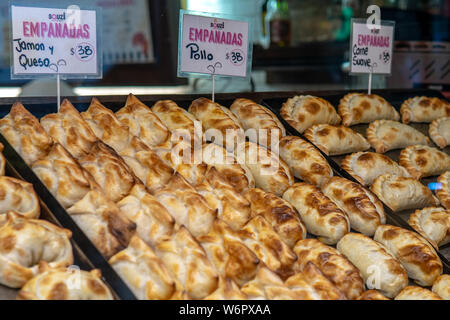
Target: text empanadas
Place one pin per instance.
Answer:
(417, 293)
(424, 109)
(440, 132)
(442, 286)
(336, 140)
(443, 190)
(433, 224)
(423, 161)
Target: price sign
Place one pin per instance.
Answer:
(54, 40)
(371, 47)
(207, 40)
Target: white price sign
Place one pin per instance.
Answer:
(371, 47)
(54, 40)
(213, 45)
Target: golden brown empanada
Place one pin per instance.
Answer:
(69, 129)
(365, 167)
(341, 272)
(443, 191)
(442, 286)
(25, 134)
(143, 123)
(283, 217)
(143, 272)
(187, 262)
(440, 132)
(26, 242)
(363, 208)
(378, 267)
(336, 140)
(320, 215)
(271, 173)
(433, 224)
(424, 109)
(65, 284)
(385, 135)
(305, 161)
(423, 161)
(302, 112)
(227, 290)
(417, 293)
(416, 255)
(357, 108)
(400, 193)
(372, 295)
(262, 125)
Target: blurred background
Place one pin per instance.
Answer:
(298, 45)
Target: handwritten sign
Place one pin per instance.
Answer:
(207, 41)
(371, 48)
(49, 40)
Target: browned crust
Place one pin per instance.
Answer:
(346, 165)
(344, 111)
(406, 112)
(373, 139)
(310, 134)
(443, 193)
(414, 222)
(435, 134)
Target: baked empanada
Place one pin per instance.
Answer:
(102, 222)
(424, 109)
(372, 295)
(433, 224)
(302, 112)
(416, 255)
(283, 217)
(186, 205)
(423, 161)
(153, 221)
(65, 284)
(363, 208)
(143, 272)
(336, 140)
(378, 267)
(187, 262)
(440, 132)
(385, 135)
(417, 293)
(400, 193)
(341, 272)
(442, 286)
(26, 242)
(305, 161)
(357, 108)
(261, 125)
(69, 129)
(220, 124)
(365, 167)
(227, 290)
(143, 123)
(320, 215)
(18, 196)
(271, 173)
(443, 191)
(25, 134)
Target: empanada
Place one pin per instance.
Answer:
(443, 190)
(2, 161)
(424, 109)
(69, 129)
(372, 295)
(25, 134)
(320, 215)
(385, 135)
(283, 217)
(65, 284)
(440, 132)
(271, 173)
(423, 161)
(341, 272)
(305, 161)
(336, 140)
(365, 167)
(400, 193)
(186, 205)
(143, 272)
(26, 242)
(363, 208)
(433, 224)
(259, 236)
(227, 290)
(302, 112)
(261, 125)
(442, 286)
(417, 293)
(378, 267)
(143, 123)
(187, 262)
(153, 221)
(18, 196)
(357, 108)
(220, 124)
(416, 255)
